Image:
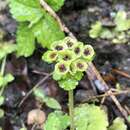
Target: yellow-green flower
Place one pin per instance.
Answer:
(66, 55)
(62, 67)
(78, 48)
(58, 45)
(50, 56)
(88, 52)
(78, 66)
(69, 42)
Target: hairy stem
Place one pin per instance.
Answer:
(71, 109)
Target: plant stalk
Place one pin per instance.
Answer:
(3, 66)
(2, 71)
(71, 109)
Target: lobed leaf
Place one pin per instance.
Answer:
(90, 117)
(95, 30)
(55, 4)
(25, 40)
(4, 80)
(68, 84)
(56, 121)
(121, 21)
(26, 10)
(118, 124)
(6, 48)
(47, 31)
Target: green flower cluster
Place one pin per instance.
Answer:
(71, 59)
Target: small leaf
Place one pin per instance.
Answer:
(56, 76)
(47, 31)
(118, 124)
(68, 84)
(90, 117)
(1, 113)
(95, 30)
(25, 41)
(56, 121)
(106, 34)
(55, 4)
(39, 93)
(26, 10)
(1, 100)
(6, 48)
(6, 79)
(121, 21)
(78, 76)
(52, 103)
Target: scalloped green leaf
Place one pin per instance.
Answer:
(25, 40)
(95, 30)
(6, 48)
(4, 80)
(90, 117)
(1, 113)
(55, 4)
(26, 10)
(68, 84)
(56, 121)
(47, 31)
(118, 124)
(121, 21)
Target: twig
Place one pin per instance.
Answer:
(36, 86)
(39, 72)
(115, 100)
(122, 73)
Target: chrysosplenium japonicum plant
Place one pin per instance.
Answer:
(71, 59)
(118, 33)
